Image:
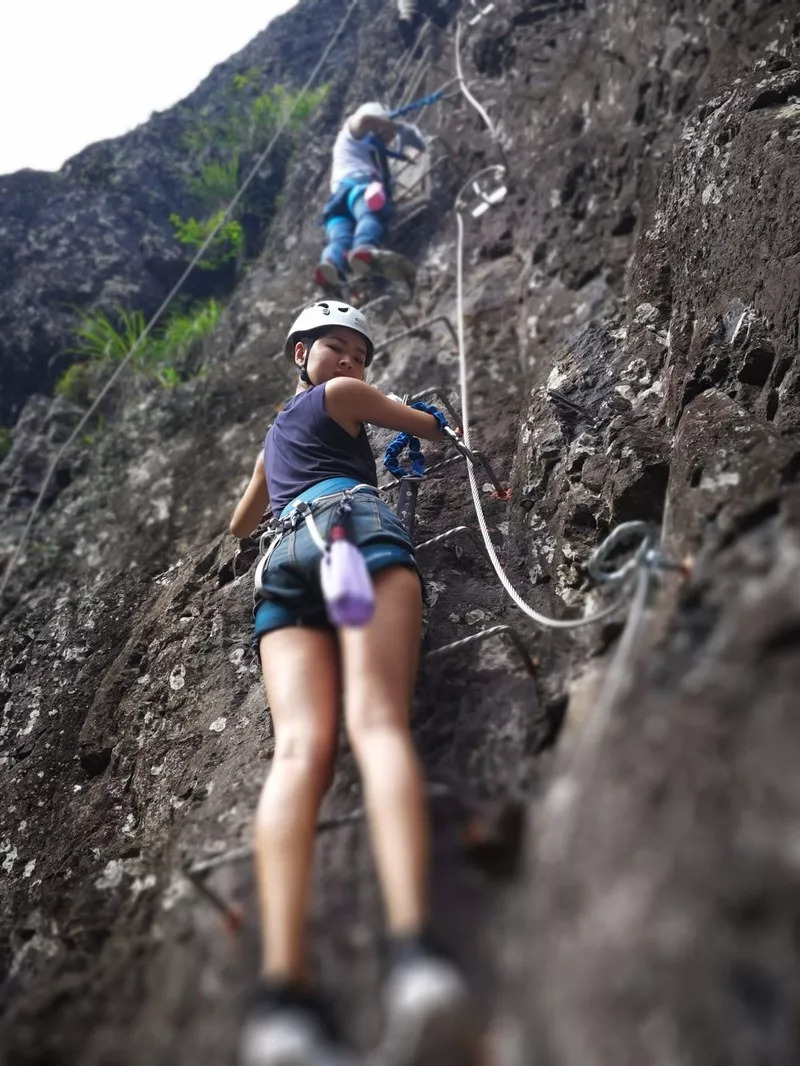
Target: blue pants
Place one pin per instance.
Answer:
(358, 227)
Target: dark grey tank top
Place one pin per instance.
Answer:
(305, 446)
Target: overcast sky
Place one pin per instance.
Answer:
(77, 71)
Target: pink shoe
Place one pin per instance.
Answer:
(327, 276)
(361, 260)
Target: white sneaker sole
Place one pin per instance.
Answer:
(432, 1025)
(279, 1045)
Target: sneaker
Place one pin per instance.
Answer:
(430, 1020)
(286, 1027)
(392, 265)
(327, 276)
(362, 260)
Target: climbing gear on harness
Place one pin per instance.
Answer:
(346, 584)
(375, 196)
(395, 448)
(325, 313)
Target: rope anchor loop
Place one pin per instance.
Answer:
(485, 190)
(648, 554)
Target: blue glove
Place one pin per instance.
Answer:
(410, 137)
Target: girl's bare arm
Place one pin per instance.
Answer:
(253, 503)
(349, 401)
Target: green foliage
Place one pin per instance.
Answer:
(78, 383)
(180, 336)
(163, 356)
(5, 442)
(217, 141)
(167, 377)
(227, 244)
(216, 184)
(99, 339)
(93, 434)
(269, 109)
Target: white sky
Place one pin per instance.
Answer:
(73, 72)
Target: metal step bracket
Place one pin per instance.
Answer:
(490, 189)
(475, 457)
(481, 11)
(486, 634)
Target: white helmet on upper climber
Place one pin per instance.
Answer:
(324, 314)
(372, 110)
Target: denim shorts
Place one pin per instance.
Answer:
(291, 594)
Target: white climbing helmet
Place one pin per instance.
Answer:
(372, 110)
(328, 313)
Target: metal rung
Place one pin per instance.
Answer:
(439, 394)
(482, 12)
(448, 533)
(418, 329)
(485, 634)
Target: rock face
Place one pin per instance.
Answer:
(631, 316)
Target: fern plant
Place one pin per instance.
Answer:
(164, 356)
(184, 330)
(99, 339)
(216, 184)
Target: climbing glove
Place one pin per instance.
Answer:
(410, 137)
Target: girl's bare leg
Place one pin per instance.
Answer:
(379, 663)
(301, 676)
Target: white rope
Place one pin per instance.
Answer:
(542, 620)
(465, 88)
(169, 298)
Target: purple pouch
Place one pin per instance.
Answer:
(346, 584)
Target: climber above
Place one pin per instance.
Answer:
(412, 14)
(317, 458)
(359, 209)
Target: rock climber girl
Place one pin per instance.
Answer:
(317, 449)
